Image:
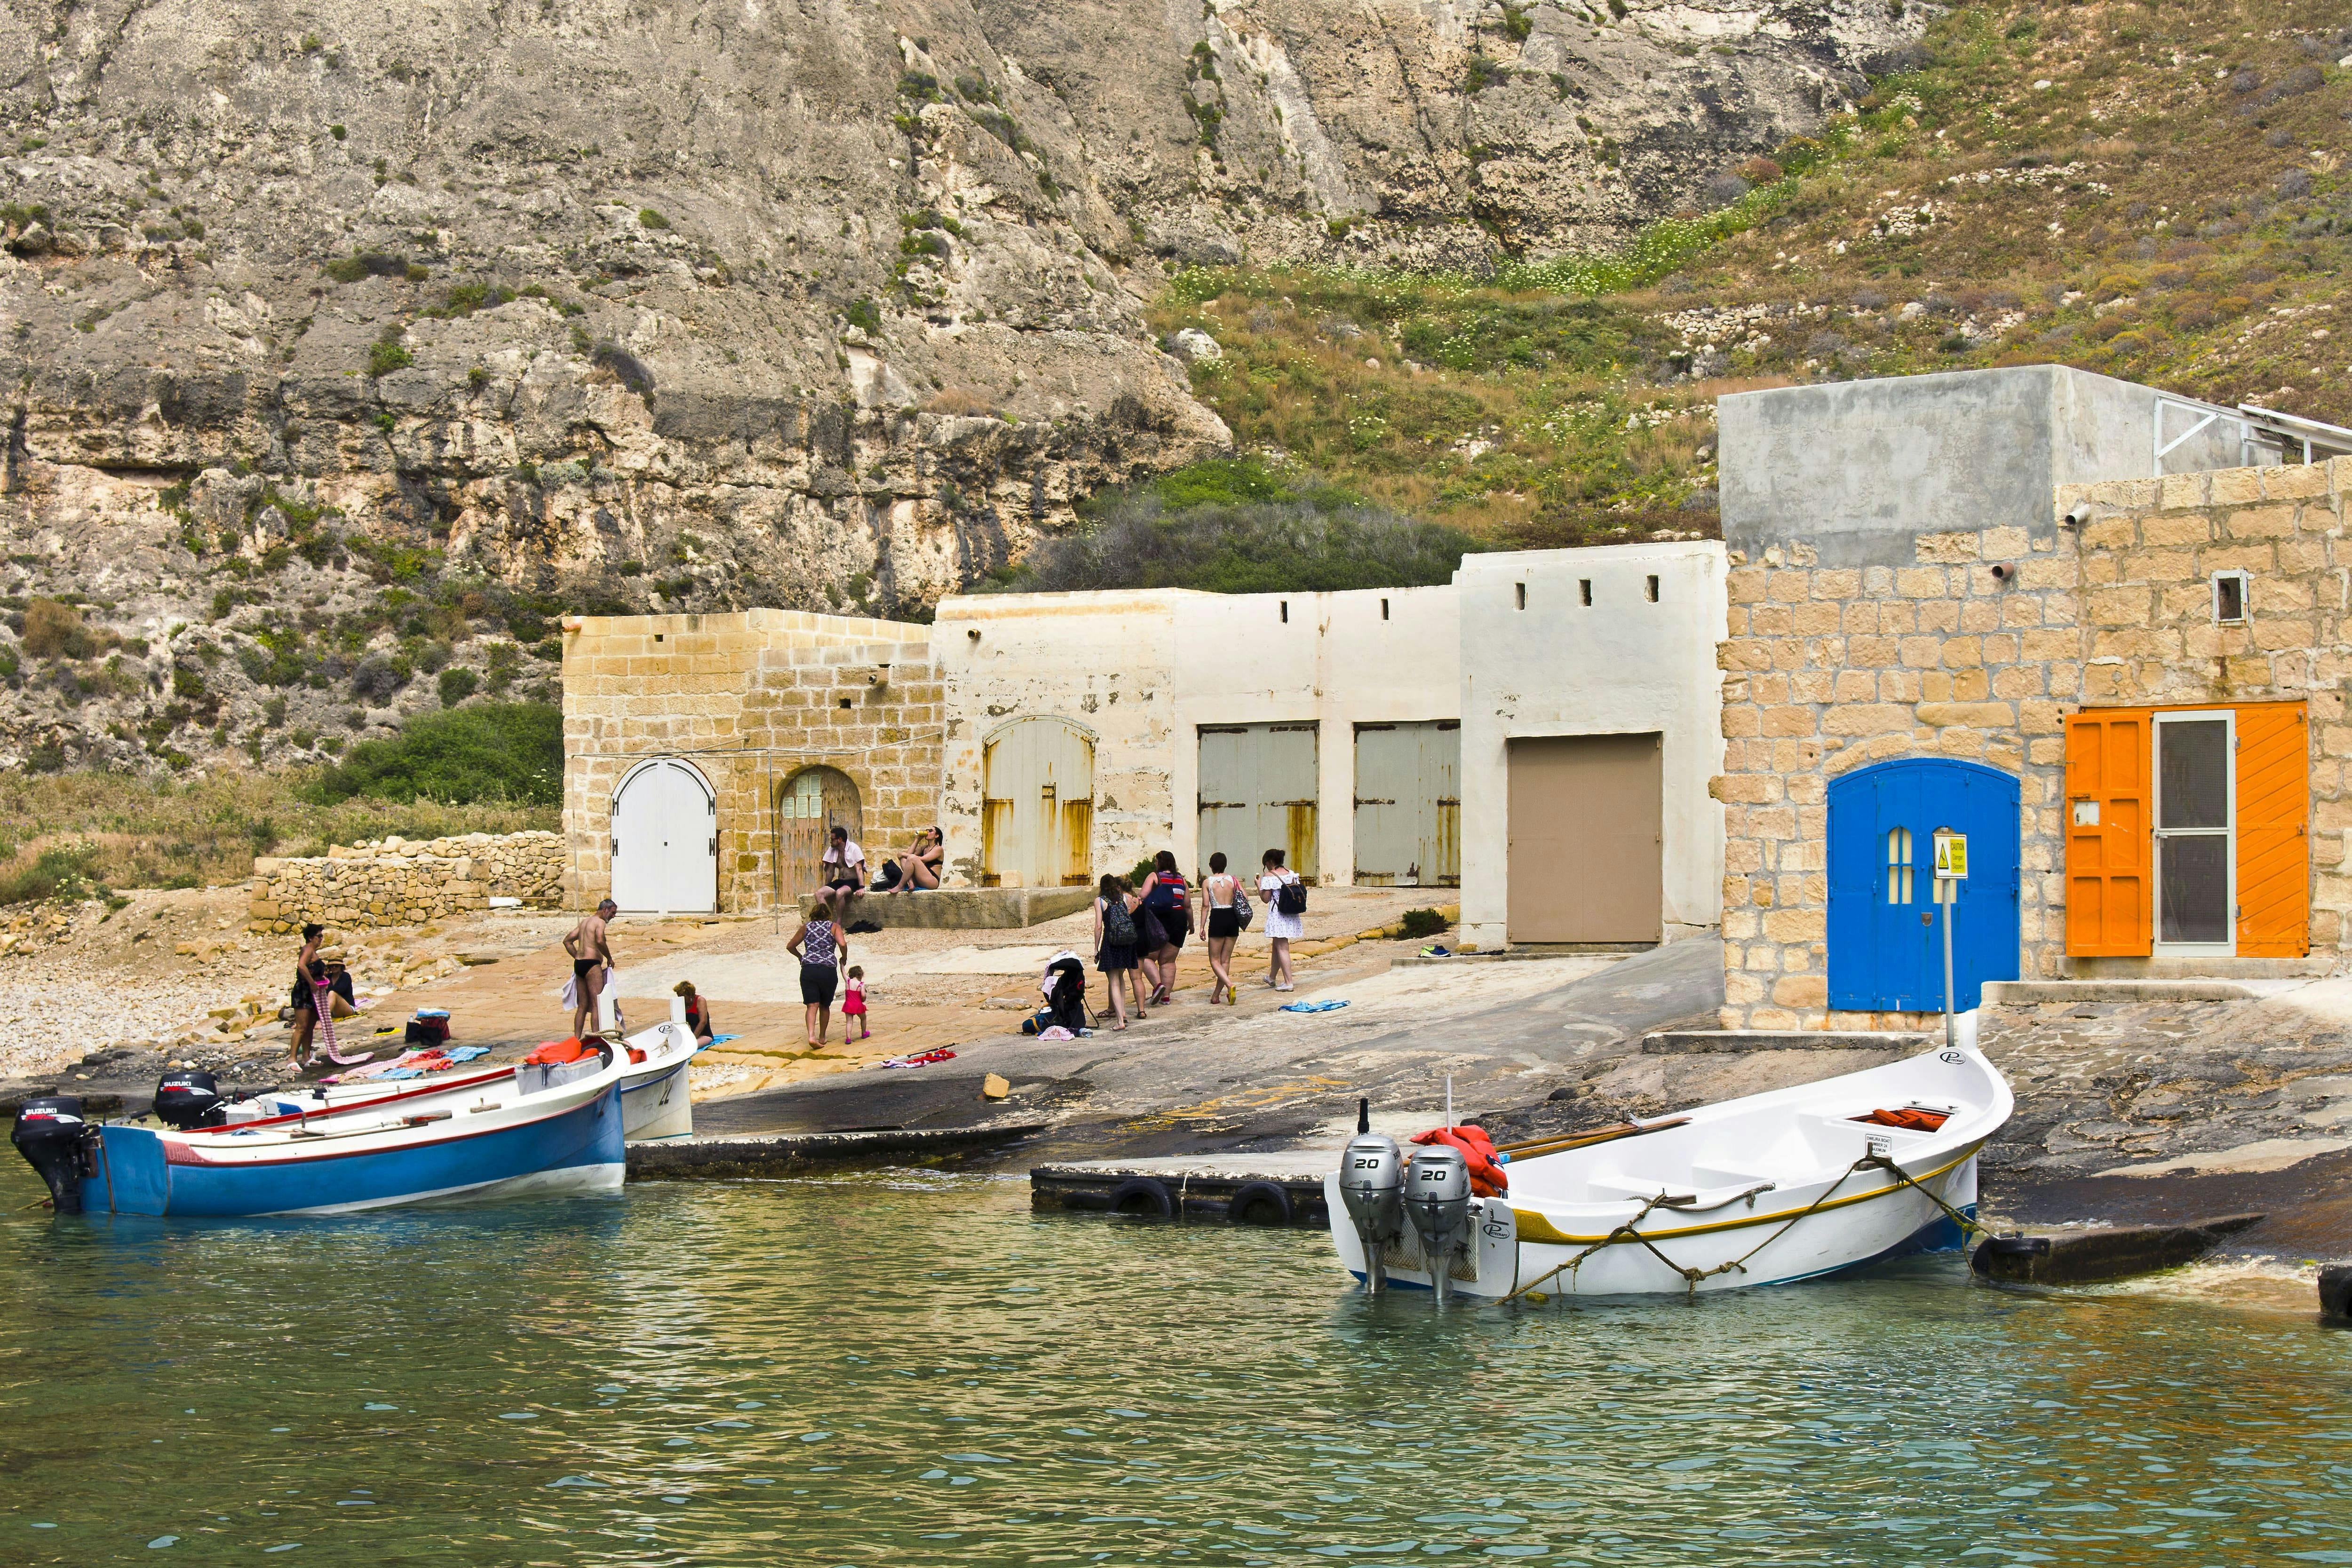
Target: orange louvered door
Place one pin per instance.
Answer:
(2108, 911)
(2273, 831)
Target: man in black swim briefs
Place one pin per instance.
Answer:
(592, 954)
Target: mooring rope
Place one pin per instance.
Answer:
(1691, 1276)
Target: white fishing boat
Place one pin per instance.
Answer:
(654, 1099)
(1764, 1190)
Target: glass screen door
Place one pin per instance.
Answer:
(2195, 822)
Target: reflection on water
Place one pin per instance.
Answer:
(915, 1369)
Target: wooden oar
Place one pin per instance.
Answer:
(1582, 1140)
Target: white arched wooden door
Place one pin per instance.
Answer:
(1037, 806)
(665, 841)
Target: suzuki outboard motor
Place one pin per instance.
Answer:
(1372, 1184)
(49, 1134)
(1437, 1200)
(189, 1098)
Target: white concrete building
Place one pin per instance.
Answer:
(1555, 710)
(1591, 735)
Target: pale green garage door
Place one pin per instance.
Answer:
(1409, 804)
(1257, 793)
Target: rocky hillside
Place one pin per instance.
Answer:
(2155, 192)
(351, 345)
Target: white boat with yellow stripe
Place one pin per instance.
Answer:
(1766, 1190)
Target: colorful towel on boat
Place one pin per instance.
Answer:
(412, 1063)
(1323, 1006)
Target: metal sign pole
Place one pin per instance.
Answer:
(1951, 870)
(1950, 1029)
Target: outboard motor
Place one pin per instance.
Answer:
(1437, 1200)
(1372, 1184)
(190, 1097)
(49, 1134)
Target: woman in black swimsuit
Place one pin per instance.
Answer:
(307, 969)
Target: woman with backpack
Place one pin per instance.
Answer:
(1115, 941)
(1169, 899)
(1285, 903)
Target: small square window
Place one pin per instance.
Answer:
(1520, 589)
(1286, 612)
(2229, 597)
(1384, 609)
(1654, 591)
(1584, 591)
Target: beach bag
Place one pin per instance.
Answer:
(1152, 932)
(1119, 925)
(1290, 898)
(1242, 910)
(427, 1028)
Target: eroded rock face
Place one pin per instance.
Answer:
(818, 305)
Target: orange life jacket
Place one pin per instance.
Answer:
(1909, 1116)
(1486, 1178)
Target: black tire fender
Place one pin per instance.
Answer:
(1146, 1196)
(1254, 1199)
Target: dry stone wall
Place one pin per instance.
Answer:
(1978, 649)
(396, 882)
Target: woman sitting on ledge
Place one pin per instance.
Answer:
(918, 868)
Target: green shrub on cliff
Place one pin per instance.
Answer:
(492, 751)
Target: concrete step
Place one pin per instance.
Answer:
(2197, 969)
(1679, 1042)
(2026, 993)
(961, 908)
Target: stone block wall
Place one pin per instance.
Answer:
(1830, 669)
(2150, 637)
(749, 699)
(397, 882)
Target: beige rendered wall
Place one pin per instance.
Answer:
(1620, 665)
(1100, 661)
(1140, 673)
(1335, 660)
(1830, 669)
(747, 698)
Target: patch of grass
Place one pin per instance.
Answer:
(1238, 526)
(1419, 923)
(1492, 411)
(124, 830)
(511, 752)
(386, 355)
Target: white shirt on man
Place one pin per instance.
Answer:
(844, 855)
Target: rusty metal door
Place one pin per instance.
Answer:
(1409, 804)
(1258, 793)
(1037, 806)
(1587, 836)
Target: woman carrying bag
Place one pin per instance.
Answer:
(1286, 907)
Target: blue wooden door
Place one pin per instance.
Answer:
(1885, 942)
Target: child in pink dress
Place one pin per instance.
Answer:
(853, 1001)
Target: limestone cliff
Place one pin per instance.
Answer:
(365, 337)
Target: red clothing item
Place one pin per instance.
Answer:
(1486, 1178)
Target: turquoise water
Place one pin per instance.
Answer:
(915, 1369)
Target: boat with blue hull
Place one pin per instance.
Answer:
(512, 1131)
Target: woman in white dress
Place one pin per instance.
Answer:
(1281, 929)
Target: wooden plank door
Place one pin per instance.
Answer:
(1409, 804)
(2109, 911)
(2273, 831)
